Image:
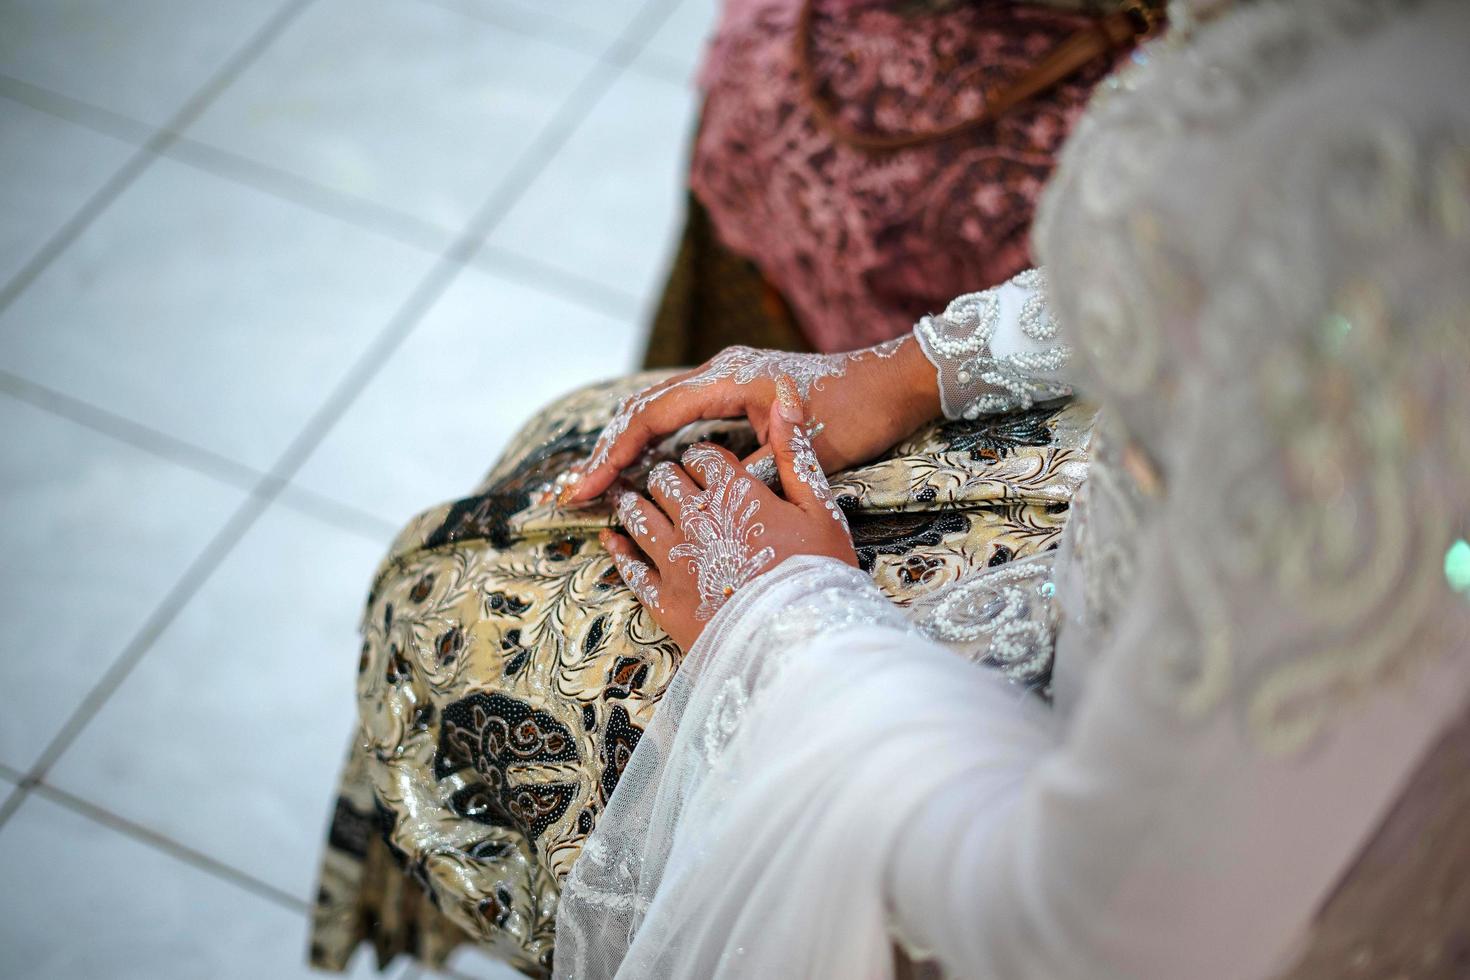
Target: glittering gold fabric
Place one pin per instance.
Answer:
(507, 674)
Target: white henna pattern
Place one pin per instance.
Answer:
(741, 366)
(809, 471)
(665, 479)
(718, 530)
(764, 470)
(635, 575)
(631, 515)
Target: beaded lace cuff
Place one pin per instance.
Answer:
(996, 351)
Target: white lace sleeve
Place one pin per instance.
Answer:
(997, 350)
(649, 871)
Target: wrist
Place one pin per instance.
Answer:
(915, 384)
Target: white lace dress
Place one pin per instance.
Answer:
(1258, 244)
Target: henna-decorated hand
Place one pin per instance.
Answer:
(865, 401)
(710, 527)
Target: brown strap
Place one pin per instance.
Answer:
(1120, 29)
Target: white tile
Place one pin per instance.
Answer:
(93, 534)
(51, 167)
(407, 104)
(469, 961)
(228, 736)
(605, 18)
(79, 900)
(485, 357)
(680, 40)
(142, 58)
(609, 204)
(209, 311)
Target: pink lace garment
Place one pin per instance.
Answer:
(863, 243)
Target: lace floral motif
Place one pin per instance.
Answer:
(724, 718)
(719, 527)
(973, 380)
(862, 243)
(1005, 618)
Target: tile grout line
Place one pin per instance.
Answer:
(461, 253)
(367, 215)
(115, 125)
(144, 155)
(572, 110)
(254, 504)
(16, 797)
(173, 848)
(184, 588)
(125, 430)
(190, 456)
(593, 43)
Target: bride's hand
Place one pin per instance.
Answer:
(709, 527)
(865, 401)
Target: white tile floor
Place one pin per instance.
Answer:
(274, 274)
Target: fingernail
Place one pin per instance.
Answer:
(567, 484)
(788, 402)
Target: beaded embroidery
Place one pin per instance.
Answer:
(972, 380)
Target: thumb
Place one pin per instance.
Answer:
(802, 480)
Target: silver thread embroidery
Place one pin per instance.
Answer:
(718, 527)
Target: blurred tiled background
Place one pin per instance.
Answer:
(274, 274)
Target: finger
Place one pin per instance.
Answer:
(646, 524)
(648, 416)
(641, 578)
(708, 463)
(669, 486)
(761, 464)
(802, 480)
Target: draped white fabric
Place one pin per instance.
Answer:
(749, 840)
(1258, 246)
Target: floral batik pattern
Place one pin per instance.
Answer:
(508, 673)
